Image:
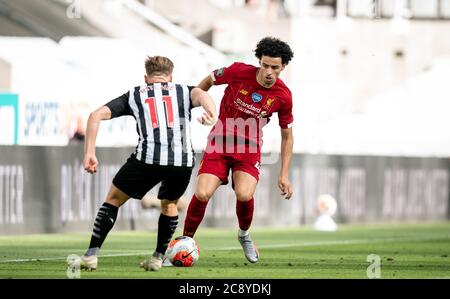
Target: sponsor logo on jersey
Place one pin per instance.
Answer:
(244, 92)
(256, 97)
(258, 166)
(239, 102)
(219, 72)
(152, 86)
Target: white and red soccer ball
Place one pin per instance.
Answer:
(183, 252)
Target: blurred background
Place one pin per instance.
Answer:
(371, 92)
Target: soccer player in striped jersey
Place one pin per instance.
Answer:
(164, 153)
(252, 95)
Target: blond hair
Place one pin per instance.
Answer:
(158, 65)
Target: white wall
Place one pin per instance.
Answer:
(335, 94)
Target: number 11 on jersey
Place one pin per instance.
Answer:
(167, 100)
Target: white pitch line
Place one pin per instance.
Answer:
(64, 258)
(268, 246)
(342, 242)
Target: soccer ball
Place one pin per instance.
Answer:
(326, 204)
(183, 252)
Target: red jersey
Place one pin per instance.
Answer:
(247, 106)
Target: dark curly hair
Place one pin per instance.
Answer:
(274, 47)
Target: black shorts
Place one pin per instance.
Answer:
(136, 178)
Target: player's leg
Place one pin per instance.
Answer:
(244, 187)
(167, 224)
(130, 181)
(176, 180)
(213, 172)
(206, 185)
(104, 222)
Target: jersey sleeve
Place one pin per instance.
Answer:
(285, 116)
(226, 74)
(120, 106)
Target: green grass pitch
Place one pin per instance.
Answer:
(406, 251)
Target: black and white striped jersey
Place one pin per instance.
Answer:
(163, 113)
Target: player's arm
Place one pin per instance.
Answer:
(287, 143)
(220, 76)
(112, 109)
(206, 83)
(200, 97)
(90, 160)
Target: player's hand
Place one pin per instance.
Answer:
(285, 187)
(207, 119)
(90, 163)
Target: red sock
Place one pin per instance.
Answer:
(244, 212)
(194, 216)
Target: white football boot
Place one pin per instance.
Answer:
(153, 264)
(88, 263)
(250, 250)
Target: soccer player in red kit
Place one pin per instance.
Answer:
(253, 94)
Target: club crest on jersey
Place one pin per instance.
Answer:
(256, 97)
(219, 72)
(269, 103)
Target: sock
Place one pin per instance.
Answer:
(244, 212)
(194, 216)
(158, 255)
(106, 217)
(92, 251)
(166, 227)
(242, 233)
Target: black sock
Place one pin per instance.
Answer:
(104, 222)
(166, 227)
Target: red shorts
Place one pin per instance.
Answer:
(220, 164)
